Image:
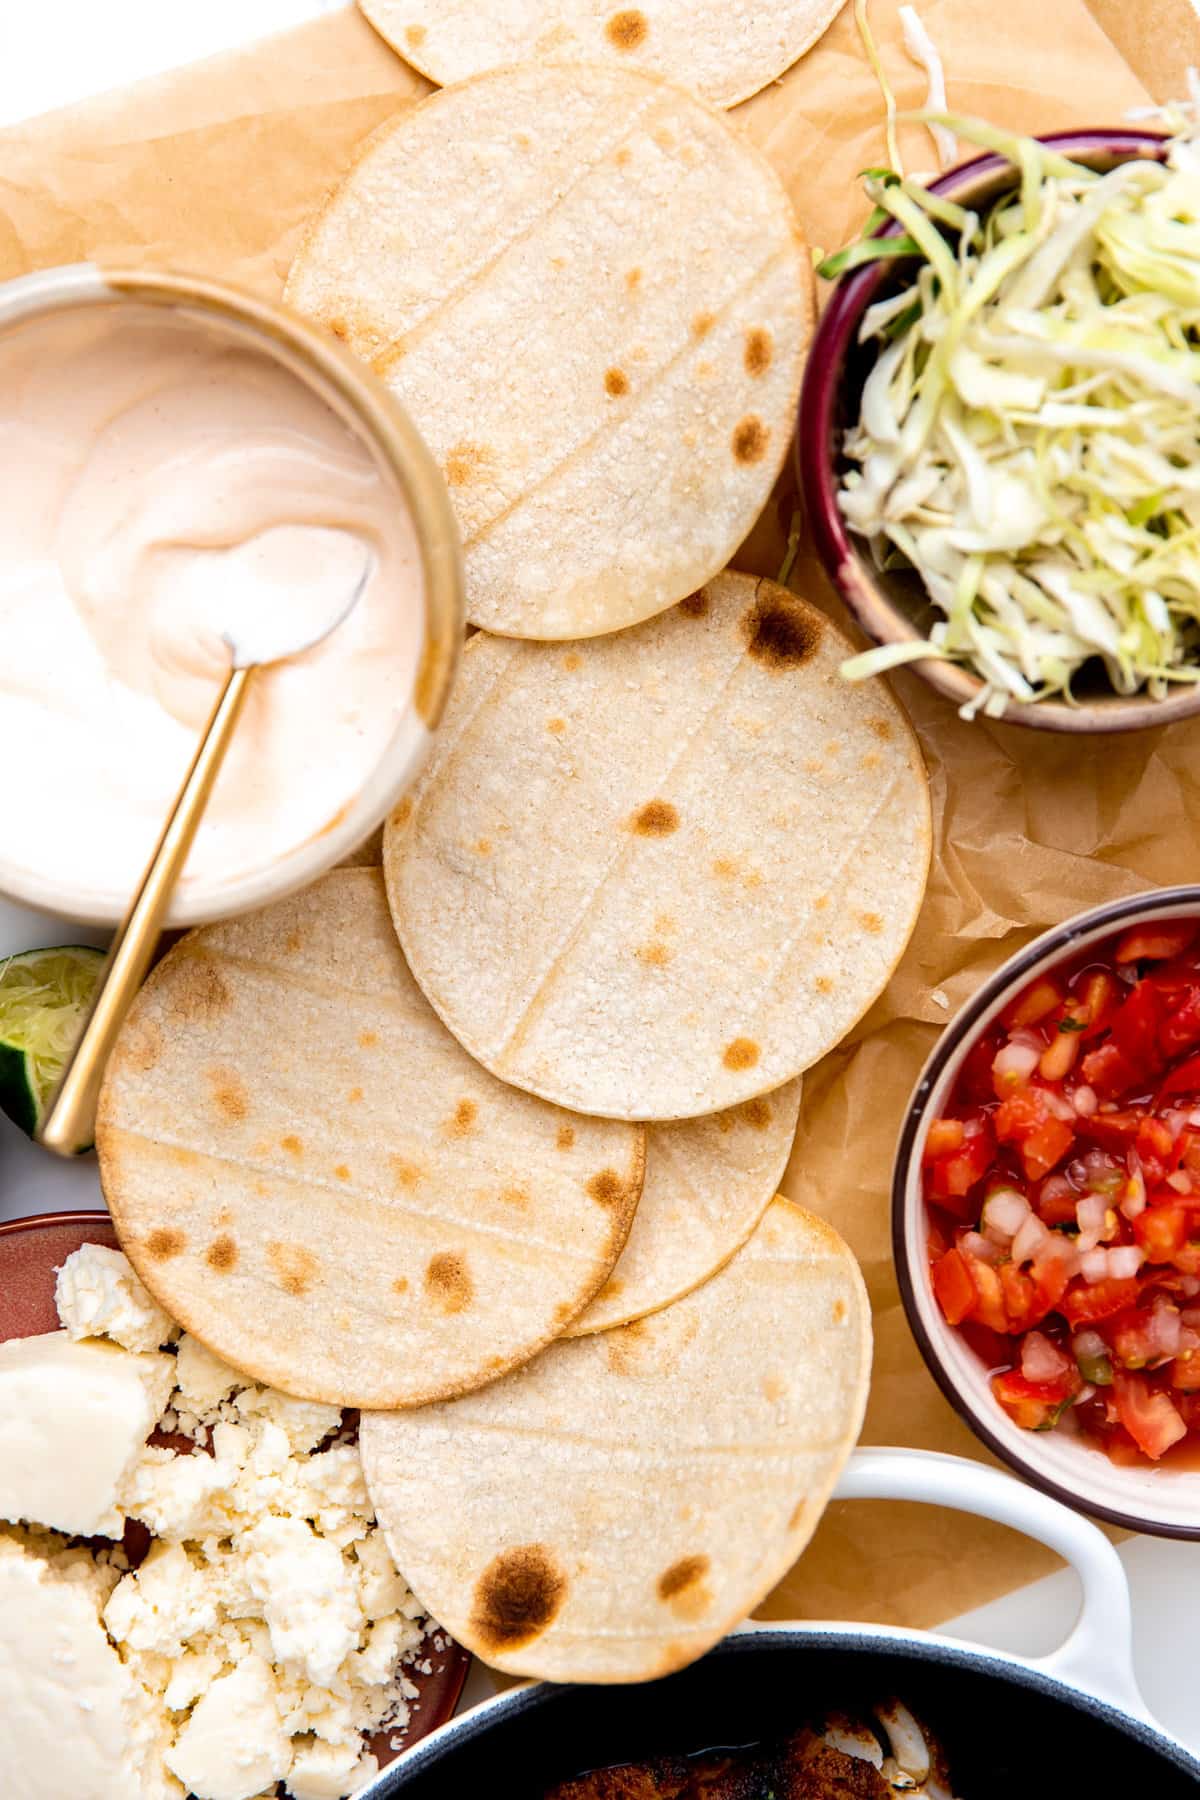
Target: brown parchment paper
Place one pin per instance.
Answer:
(216, 169)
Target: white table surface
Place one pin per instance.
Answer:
(53, 55)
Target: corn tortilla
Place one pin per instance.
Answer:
(590, 293)
(708, 1183)
(609, 1511)
(660, 873)
(723, 49)
(317, 1182)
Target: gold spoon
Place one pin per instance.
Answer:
(69, 1122)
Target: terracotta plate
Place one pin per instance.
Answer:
(31, 1253)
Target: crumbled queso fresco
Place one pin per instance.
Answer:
(265, 1630)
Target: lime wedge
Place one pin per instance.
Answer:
(44, 997)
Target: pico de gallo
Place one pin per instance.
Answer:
(1063, 1188)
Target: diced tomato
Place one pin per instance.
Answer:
(1025, 1119)
(1185, 1372)
(1033, 1405)
(1108, 1071)
(975, 1077)
(1188, 1406)
(953, 1176)
(953, 1287)
(1162, 1231)
(1052, 1278)
(1033, 1004)
(1187, 1260)
(988, 1305)
(1135, 1027)
(1086, 1304)
(1055, 1204)
(1046, 1147)
(1181, 1028)
(943, 1138)
(1155, 943)
(1130, 1338)
(1183, 1080)
(1112, 1131)
(1022, 1303)
(1148, 1414)
(1154, 1139)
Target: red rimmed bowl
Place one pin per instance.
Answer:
(1161, 1500)
(32, 1251)
(893, 607)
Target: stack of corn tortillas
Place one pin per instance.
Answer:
(591, 294)
(485, 1141)
(723, 49)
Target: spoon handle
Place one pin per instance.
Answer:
(70, 1119)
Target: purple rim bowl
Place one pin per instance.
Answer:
(1164, 1502)
(884, 605)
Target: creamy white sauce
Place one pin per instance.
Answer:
(163, 484)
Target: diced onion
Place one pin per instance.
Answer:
(1124, 1262)
(1085, 1101)
(1004, 1213)
(1041, 1359)
(980, 1247)
(1093, 1265)
(1016, 1061)
(1088, 1344)
(1181, 1181)
(1092, 1212)
(1029, 1240)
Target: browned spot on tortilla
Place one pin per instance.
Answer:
(228, 1094)
(515, 1196)
(871, 922)
(414, 36)
(725, 868)
(556, 727)
(407, 1173)
(704, 372)
(871, 761)
(611, 1289)
(742, 1053)
(448, 1282)
(725, 1123)
(566, 1137)
(462, 1119)
(572, 661)
(633, 277)
(616, 383)
(563, 1312)
(839, 1311)
(750, 439)
(656, 955)
(703, 323)
(494, 1362)
(403, 812)
(773, 1389)
(623, 158)
(758, 352)
(367, 1040)
(295, 1267)
(400, 1285)
(626, 30)
(813, 765)
(882, 729)
(483, 846)
(824, 984)
(798, 1513)
(821, 902)
(165, 1243)
(681, 1576)
(293, 943)
(757, 1113)
(342, 1172)
(780, 632)
(607, 1187)
(466, 463)
(518, 1595)
(223, 1216)
(222, 1254)
(196, 994)
(695, 606)
(141, 1045)
(354, 1096)
(658, 818)
(291, 1143)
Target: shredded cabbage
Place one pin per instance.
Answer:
(1028, 438)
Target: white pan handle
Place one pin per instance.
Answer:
(1097, 1656)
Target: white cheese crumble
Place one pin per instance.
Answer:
(267, 1630)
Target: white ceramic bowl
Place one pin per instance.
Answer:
(354, 393)
(1165, 1502)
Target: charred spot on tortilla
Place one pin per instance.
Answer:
(198, 995)
(759, 350)
(403, 813)
(222, 1254)
(556, 726)
(703, 323)
(882, 729)
(141, 1046)
(742, 1053)
(566, 1137)
(165, 1243)
(633, 279)
(780, 632)
(871, 923)
(626, 30)
(514, 1195)
(400, 1285)
(414, 36)
(750, 440)
(839, 1311)
(682, 1575)
(463, 1118)
(291, 1143)
(519, 1594)
(448, 1282)
(655, 955)
(616, 383)
(367, 1040)
(696, 606)
(757, 1113)
(228, 1094)
(658, 818)
(407, 1174)
(296, 1269)
(465, 463)
(824, 984)
(607, 1187)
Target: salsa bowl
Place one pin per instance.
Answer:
(892, 607)
(1162, 1498)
